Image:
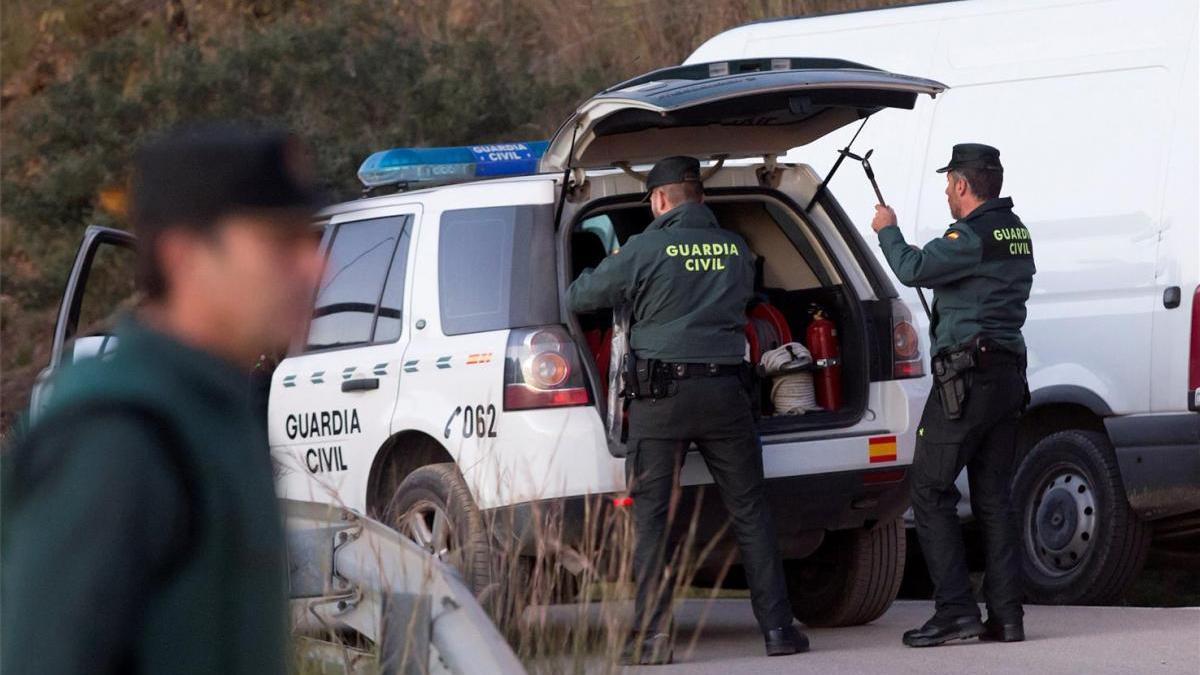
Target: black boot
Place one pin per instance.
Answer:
(785, 640)
(996, 630)
(654, 650)
(938, 631)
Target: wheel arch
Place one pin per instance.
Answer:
(1059, 394)
(400, 455)
(1058, 408)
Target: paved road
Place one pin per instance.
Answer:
(1091, 640)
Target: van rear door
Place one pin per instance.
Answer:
(731, 109)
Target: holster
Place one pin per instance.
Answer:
(649, 378)
(633, 385)
(952, 377)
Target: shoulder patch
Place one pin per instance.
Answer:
(953, 234)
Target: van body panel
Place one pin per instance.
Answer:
(1101, 226)
(1095, 113)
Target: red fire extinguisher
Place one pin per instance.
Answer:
(823, 345)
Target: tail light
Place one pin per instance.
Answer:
(906, 344)
(542, 370)
(1194, 355)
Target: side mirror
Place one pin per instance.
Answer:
(92, 347)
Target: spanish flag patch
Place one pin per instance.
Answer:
(952, 235)
(881, 449)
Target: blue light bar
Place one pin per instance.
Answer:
(424, 167)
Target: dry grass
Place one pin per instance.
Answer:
(568, 608)
(561, 590)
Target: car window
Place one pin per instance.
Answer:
(109, 292)
(348, 298)
(391, 304)
(602, 227)
(496, 268)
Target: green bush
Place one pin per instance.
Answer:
(350, 83)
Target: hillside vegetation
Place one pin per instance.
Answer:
(84, 80)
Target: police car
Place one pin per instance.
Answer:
(443, 383)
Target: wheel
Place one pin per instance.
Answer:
(851, 579)
(1081, 544)
(434, 508)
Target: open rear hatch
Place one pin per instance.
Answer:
(729, 109)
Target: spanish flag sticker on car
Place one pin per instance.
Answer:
(881, 449)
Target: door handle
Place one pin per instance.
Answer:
(363, 384)
(1172, 297)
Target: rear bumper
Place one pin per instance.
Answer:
(803, 509)
(1159, 456)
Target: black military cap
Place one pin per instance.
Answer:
(668, 170)
(193, 176)
(973, 156)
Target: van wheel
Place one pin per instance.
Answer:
(851, 579)
(434, 508)
(1081, 544)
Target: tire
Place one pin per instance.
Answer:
(1080, 542)
(851, 579)
(434, 508)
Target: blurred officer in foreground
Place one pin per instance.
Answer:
(980, 271)
(141, 530)
(688, 283)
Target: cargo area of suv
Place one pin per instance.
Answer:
(749, 109)
(796, 278)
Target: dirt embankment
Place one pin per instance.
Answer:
(83, 82)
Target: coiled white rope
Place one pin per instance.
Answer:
(792, 392)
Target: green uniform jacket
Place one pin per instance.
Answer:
(127, 551)
(688, 281)
(980, 271)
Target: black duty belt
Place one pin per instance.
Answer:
(683, 371)
(653, 379)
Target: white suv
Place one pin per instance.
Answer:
(442, 376)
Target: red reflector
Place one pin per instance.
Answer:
(1194, 350)
(878, 477)
(622, 502)
(904, 369)
(521, 397)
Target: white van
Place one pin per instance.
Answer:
(443, 383)
(1093, 106)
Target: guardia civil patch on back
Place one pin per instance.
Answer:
(706, 257)
(1003, 243)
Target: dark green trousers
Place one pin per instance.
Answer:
(714, 413)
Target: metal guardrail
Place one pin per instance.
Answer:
(347, 571)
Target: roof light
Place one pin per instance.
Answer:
(409, 168)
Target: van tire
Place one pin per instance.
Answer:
(1070, 501)
(437, 491)
(851, 579)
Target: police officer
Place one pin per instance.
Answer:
(688, 282)
(980, 271)
(141, 530)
